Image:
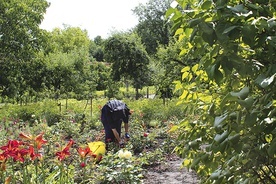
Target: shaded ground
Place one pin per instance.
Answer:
(170, 172)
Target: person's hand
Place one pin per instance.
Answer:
(121, 144)
(127, 136)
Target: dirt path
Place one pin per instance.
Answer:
(170, 172)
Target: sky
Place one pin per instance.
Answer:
(98, 17)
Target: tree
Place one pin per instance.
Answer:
(68, 56)
(153, 27)
(20, 35)
(69, 39)
(96, 48)
(21, 39)
(229, 133)
(167, 66)
(129, 59)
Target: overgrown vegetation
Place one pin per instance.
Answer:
(230, 137)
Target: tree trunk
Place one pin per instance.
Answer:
(137, 93)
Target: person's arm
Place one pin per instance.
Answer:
(126, 127)
(116, 134)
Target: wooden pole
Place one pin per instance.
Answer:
(91, 107)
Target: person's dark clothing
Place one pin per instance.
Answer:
(114, 112)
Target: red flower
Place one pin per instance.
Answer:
(38, 141)
(82, 164)
(65, 152)
(100, 158)
(83, 151)
(146, 134)
(12, 144)
(32, 153)
(19, 155)
(11, 148)
(2, 158)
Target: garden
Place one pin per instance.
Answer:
(52, 142)
(211, 64)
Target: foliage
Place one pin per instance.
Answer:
(153, 27)
(20, 41)
(20, 35)
(229, 133)
(120, 168)
(61, 154)
(167, 66)
(68, 39)
(129, 59)
(96, 48)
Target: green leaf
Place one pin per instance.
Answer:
(194, 68)
(272, 149)
(241, 94)
(263, 81)
(250, 119)
(218, 76)
(194, 22)
(215, 175)
(221, 137)
(220, 119)
(206, 5)
(173, 128)
(247, 103)
(169, 12)
(238, 9)
(184, 75)
(229, 29)
(206, 28)
(179, 31)
(185, 69)
(227, 98)
(195, 143)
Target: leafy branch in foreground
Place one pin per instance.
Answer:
(229, 132)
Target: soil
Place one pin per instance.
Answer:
(170, 172)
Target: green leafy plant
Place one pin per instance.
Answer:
(228, 133)
(120, 167)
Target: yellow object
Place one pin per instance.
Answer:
(98, 148)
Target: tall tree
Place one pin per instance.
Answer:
(230, 92)
(153, 26)
(96, 48)
(20, 35)
(68, 56)
(20, 40)
(129, 59)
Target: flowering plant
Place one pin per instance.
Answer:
(121, 167)
(125, 154)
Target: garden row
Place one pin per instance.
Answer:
(41, 143)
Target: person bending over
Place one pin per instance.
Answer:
(113, 113)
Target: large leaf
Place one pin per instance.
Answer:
(272, 148)
(218, 76)
(221, 137)
(264, 81)
(229, 29)
(220, 119)
(206, 5)
(247, 103)
(251, 119)
(241, 94)
(194, 22)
